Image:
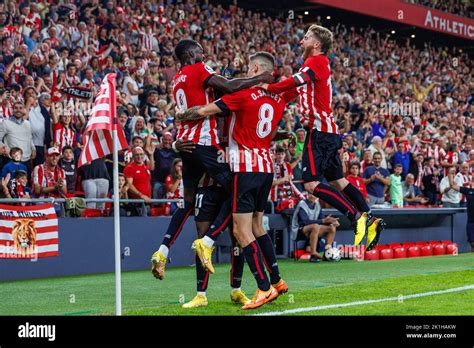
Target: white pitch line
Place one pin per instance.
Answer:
(357, 303)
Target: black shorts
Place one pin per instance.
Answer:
(250, 192)
(301, 235)
(206, 159)
(321, 157)
(208, 203)
(470, 232)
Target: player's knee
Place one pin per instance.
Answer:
(310, 186)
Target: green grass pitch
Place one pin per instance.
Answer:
(310, 285)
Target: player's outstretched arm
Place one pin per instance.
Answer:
(303, 77)
(230, 86)
(198, 112)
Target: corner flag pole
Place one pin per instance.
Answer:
(118, 272)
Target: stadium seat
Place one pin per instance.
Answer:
(406, 245)
(439, 249)
(446, 242)
(394, 245)
(452, 249)
(381, 247)
(372, 255)
(90, 212)
(421, 243)
(399, 253)
(386, 254)
(413, 251)
(298, 253)
(434, 242)
(426, 250)
(305, 256)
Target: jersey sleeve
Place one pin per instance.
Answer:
(206, 73)
(233, 101)
(290, 95)
(305, 75)
(127, 172)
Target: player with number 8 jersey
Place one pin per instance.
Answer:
(255, 117)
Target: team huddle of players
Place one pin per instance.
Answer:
(233, 189)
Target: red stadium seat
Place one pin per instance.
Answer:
(426, 250)
(446, 242)
(372, 255)
(394, 245)
(439, 249)
(90, 212)
(298, 253)
(434, 242)
(421, 243)
(386, 254)
(452, 249)
(305, 256)
(408, 244)
(381, 247)
(399, 253)
(413, 251)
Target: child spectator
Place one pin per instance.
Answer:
(174, 184)
(395, 187)
(68, 164)
(15, 164)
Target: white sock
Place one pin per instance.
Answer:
(202, 293)
(234, 290)
(164, 250)
(208, 241)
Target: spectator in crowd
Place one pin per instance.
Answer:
(8, 171)
(451, 159)
(164, 157)
(450, 198)
(464, 177)
(40, 122)
(411, 193)
(401, 157)
(376, 180)
(284, 193)
(63, 132)
(68, 165)
(49, 179)
(376, 146)
(366, 160)
(431, 181)
(355, 179)
(174, 184)
(395, 187)
(416, 168)
(309, 222)
(95, 182)
(138, 175)
(16, 132)
(300, 139)
(17, 187)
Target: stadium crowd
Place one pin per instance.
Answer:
(459, 7)
(405, 112)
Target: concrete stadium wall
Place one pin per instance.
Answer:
(86, 245)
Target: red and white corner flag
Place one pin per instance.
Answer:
(98, 137)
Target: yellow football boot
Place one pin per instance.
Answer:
(360, 228)
(204, 253)
(374, 230)
(158, 263)
(197, 301)
(238, 296)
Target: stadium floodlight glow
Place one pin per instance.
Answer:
(412, 36)
(306, 13)
(393, 31)
(328, 17)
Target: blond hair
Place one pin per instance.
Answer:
(323, 35)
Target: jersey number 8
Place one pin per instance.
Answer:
(265, 116)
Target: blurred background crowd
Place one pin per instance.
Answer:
(405, 112)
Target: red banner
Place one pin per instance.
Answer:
(410, 14)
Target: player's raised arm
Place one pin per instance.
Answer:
(302, 77)
(230, 86)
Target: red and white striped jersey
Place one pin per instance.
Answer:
(6, 111)
(190, 89)
(148, 40)
(63, 136)
(451, 158)
(466, 182)
(256, 114)
(313, 84)
(437, 153)
(47, 178)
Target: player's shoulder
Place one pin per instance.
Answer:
(316, 60)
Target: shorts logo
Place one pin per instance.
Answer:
(304, 169)
(196, 211)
